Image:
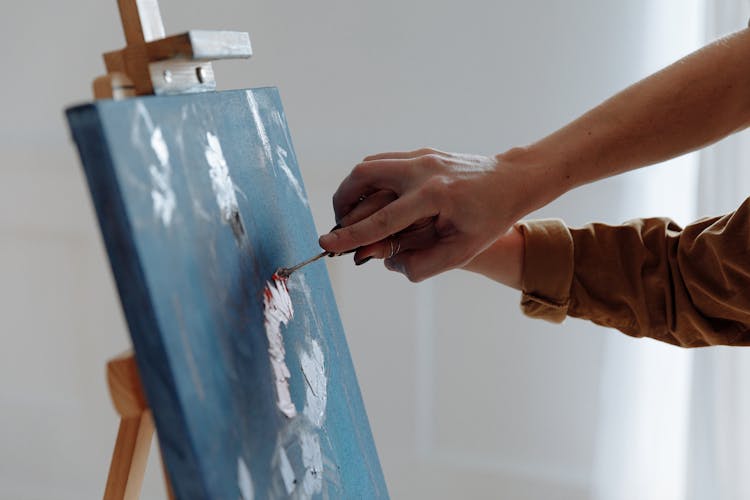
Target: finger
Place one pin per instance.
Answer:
(367, 207)
(418, 238)
(418, 265)
(397, 155)
(389, 220)
(368, 178)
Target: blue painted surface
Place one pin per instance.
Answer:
(192, 292)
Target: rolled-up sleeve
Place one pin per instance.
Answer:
(646, 277)
(548, 269)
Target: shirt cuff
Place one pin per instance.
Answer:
(547, 269)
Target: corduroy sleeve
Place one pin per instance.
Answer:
(646, 277)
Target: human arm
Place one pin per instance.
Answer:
(647, 277)
(463, 203)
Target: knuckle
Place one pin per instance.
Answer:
(400, 265)
(340, 208)
(381, 219)
(390, 264)
(412, 276)
(436, 187)
(359, 171)
(433, 161)
(406, 266)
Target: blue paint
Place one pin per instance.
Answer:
(192, 291)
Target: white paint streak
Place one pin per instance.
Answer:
(259, 124)
(278, 310)
(300, 461)
(162, 194)
(287, 473)
(298, 282)
(312, 458)
(312, 361)
(313, 369)
(159, 146)
(244, 480)
(281, 155)
(221, 182)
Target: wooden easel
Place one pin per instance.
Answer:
(151, 63)
(134, 435)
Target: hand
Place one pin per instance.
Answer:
(426, 211)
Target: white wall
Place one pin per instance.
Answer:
(465, 396)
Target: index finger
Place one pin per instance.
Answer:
(389, 220)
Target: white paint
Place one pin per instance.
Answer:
(298, 282)
(298, 461)
(281, 155)
(313, 369)
(259, 124)
(287, 473)
(221, 181)
(299, 438)
(278, 310)
(244, 480)
(312, 458)
(159, 146)
(162, 194)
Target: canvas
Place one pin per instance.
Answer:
(251, 384)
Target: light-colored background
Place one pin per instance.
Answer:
(466, 397)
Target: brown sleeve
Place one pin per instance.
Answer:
(647, 277)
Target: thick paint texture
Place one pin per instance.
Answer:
(200, 199)
(278, 311)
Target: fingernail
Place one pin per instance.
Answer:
(327, 239)
(362, 261)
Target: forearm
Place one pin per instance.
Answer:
(647, 277)
(690, 104)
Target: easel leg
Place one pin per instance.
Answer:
(134, 436)
(129, 458)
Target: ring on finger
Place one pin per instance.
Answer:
(395, 245)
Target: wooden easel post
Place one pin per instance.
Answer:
(130, 455)
(151, 63)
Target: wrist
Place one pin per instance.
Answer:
(502, 261)
(540, 179)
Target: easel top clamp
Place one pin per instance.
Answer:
(151, 64)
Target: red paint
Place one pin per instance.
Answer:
(277, 279)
